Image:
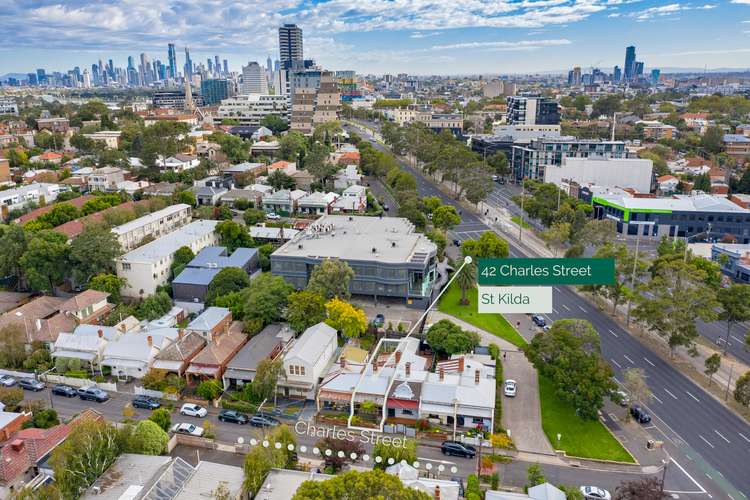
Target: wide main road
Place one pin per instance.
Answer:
(684, 413)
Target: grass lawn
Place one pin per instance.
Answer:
(493, 323)
(580, 438)
(518, 220)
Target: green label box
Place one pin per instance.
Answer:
(543, 271)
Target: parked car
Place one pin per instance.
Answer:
(640, 415)
(379, 320)
(193, 410)
(595, 493)
(539, 321)
(263, 421)
(145, 402)
(93, 394)
(273, 216)
(510, 387)
(454, 448)
(32, 384)
(7, 381)
(621, 398)
(232, 416)
(189, 429)
(64, 390)
(456, 243)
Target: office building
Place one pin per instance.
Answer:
(629, 67)
(188, 65)
(638, 70)
(616, 74)
(679, 216)
(655, 75)
(388, 257)
(253, 80)
(250, 109)
(214, 90)
(328, 99)
(290, 45)
(532, 111)
(172, 61)
(173, 99)
(529, 161)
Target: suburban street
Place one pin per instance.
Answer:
(712, 442)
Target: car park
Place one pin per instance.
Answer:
(32, 384)
(640, 415)
(193, 410)
(263, 421)
(145, 402)
(595, 493)
(93, 394)
(7, 381)
(189, 429)
(510, 387)
(456, 449)
(232, 416)
(539, 321)
(64, 390)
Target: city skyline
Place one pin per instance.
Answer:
(539, 36)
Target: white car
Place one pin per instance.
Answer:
(595, 493)
(510, 388)
(273, 216)
(189, 429)
(192, 410)
(7, 381)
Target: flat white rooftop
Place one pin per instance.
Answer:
(170, 243)
(679, 203)
(149, 218)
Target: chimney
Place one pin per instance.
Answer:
(461, 364)
(441, 373)
(437, 492)
(476, 377)
(342, 362)
(407, 368)
(374, 366)
(100, 332)
(180, 333)
(150, 341)
(398, 357)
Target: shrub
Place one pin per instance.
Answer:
(209, 389)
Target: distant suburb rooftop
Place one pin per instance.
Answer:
(386, 239)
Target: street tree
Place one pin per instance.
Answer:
(445, 217)
(534, 476)
(45, 262)
(228, 280)
(304, 310)
(597, 232)
(489, 245)
(499, 163)
(266, 298)
(339, 445)
(556, 235)
(446, 336)
(354, 484)
(258, 462)
(148, 438)
(161, 417)
(252, 216)
(634, 383)
(742, 389)
(234, 235)
(93, 252)
(330, 279)
(625, 265)
(349, 320)
(649, 488)
(713, 363)
(735, 306)
(267, 378)
(109, 283)
(466, 280)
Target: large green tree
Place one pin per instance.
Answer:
(330, 279)
(266, 298)
(93, 252)
(305, 309)
(353, 484)
(148, 438)
(228, 280)
(735, 306)
(234, 235)
(446, 336)
(14, 242)
(489, 245)
(45, 262)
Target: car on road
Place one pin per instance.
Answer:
(595, 493)
(640, 415)
(32, 384)
(189, 429)
(193, 410)
(456, 449)
(263, 421)
(7, 381)
(273, 216)
(379, 320)
(145, 402)
(93, 394)
(64, 390)
(233, 416)
(539, 321)
(510, 387)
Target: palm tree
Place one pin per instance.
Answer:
(466, 280)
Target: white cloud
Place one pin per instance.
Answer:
(503, 45)
(418, 34)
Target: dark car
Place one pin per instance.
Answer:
(93, 394)
(232, 416)
(457, 449)
(64, 390)
(640, 415)
(539, 321)
(146, 402)
(456, 243)
(379, 320)
(32, 384)
(262, 421)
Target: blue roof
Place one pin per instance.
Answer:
(208, 319)
(196, 276)
(736, 138)
(217, 258)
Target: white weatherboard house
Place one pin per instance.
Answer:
(306, 361)
(147, 267)
(131, 355)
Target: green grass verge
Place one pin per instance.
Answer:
(493, 323)
(518, 220)
(580, 438)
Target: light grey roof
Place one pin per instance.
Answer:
(170, 243)
(208, 319)
(207, 477)
(148, 219)
(216, 257)
(260, 347)
(195, 276)
(127, 477)
(312, 343)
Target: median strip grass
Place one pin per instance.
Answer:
(450, 303)
(578, 438)
(520, 222)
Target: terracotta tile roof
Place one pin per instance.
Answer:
(50, 155)
(665, 178)
(76, 202)
(83, 300)
(278, 165)
(218, 352)
(26, 447)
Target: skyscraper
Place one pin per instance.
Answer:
(214, 90)
(188, 65)
(172, 61)
(290, 45)
(86, 79)
(226, 67)
(276, 65)
(269, 64)
(629, 63)
(210, 63)
(189, 105)
(217, 64)
(617, 74)
(638, 72)
(655, 75)
(41, 76)
(253, 79)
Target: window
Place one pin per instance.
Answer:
(125, 266)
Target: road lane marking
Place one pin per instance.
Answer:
(744, 437)
(722, 437)
(582, 309)
(566, 307)
(649, 362)
(555, 311)
(657, 398)
(707, 442)
(556, 289)
(618, 365)
(688, 393)
(668, 392)
(613, 333)
(688, 475)
(738, 340)
(626, 357)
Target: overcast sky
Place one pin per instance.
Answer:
(379, 36)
